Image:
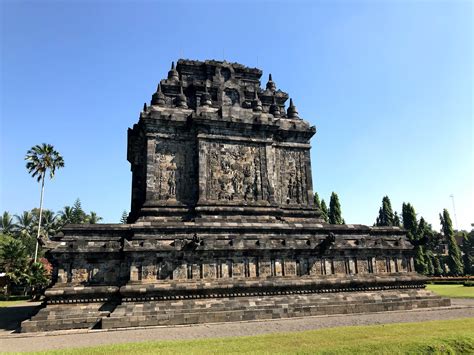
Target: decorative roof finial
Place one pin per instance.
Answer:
(205, 97)
(274, 108)
(173, 73)
(270, 84)
(292, 112)
(256, 103)
(144, 107)
(158, 98)
(181, 99)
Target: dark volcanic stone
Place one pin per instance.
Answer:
(223, 225)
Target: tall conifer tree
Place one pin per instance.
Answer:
(415, 234)
(409, 220)
(468, 252)
(396, 220)
(422, 262)
(324, 211)
(385, 217)
(335, 215)
(317, 202)
(437, 269)
(454, 254)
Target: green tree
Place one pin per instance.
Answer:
(317, 202)
(24, 223)
(437, 269)
(75, 215)
(78, 214)
(25, 229)
(416, 235)
(385, 218)
(396, 220)
(468, 252)
(429, 262)
(37, 279)
(335, 215)
(66, 215)
(434, 241)
(324, 211)
(454, 254)
(7, 223)
(124, 217)
(409, 220)
(50, 223)
(13, 261)
(422, 262)
(93, 218)
(40, 159)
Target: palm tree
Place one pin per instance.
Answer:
(24, 223)
(42, 158)
(66, 215)
(25, 228)
(6, 223)
(93, 218)
(50, 223)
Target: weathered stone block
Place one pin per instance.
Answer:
(290, 267)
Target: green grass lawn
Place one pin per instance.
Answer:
(11, 303)
(450, 336)
(458, 291)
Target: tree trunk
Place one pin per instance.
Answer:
(7, 290)
(40, 215)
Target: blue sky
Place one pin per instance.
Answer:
(388, 84)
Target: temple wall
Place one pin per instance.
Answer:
(146, 269)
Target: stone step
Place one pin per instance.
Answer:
(242, 303)
(262, 313)
(59, 324)
(70, 315)
(137, 310)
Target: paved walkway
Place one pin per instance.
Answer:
(461, 308)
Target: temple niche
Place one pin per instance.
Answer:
(222, 225)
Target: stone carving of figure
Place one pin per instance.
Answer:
(298, 190)
(235, 173)
(237, 182)
(171, 183)
(290, 189)
(257, 179)
(247, 182)
(294, 185)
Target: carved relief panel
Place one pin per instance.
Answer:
(236, 172)
(175, 176)
(291, 169)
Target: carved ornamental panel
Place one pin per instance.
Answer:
(292, 175)
(175, 171)
(236, 172)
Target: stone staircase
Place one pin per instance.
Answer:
(67, 316)
(231, 309)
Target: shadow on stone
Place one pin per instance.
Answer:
(11, 317)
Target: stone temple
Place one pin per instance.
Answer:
(223, 226)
